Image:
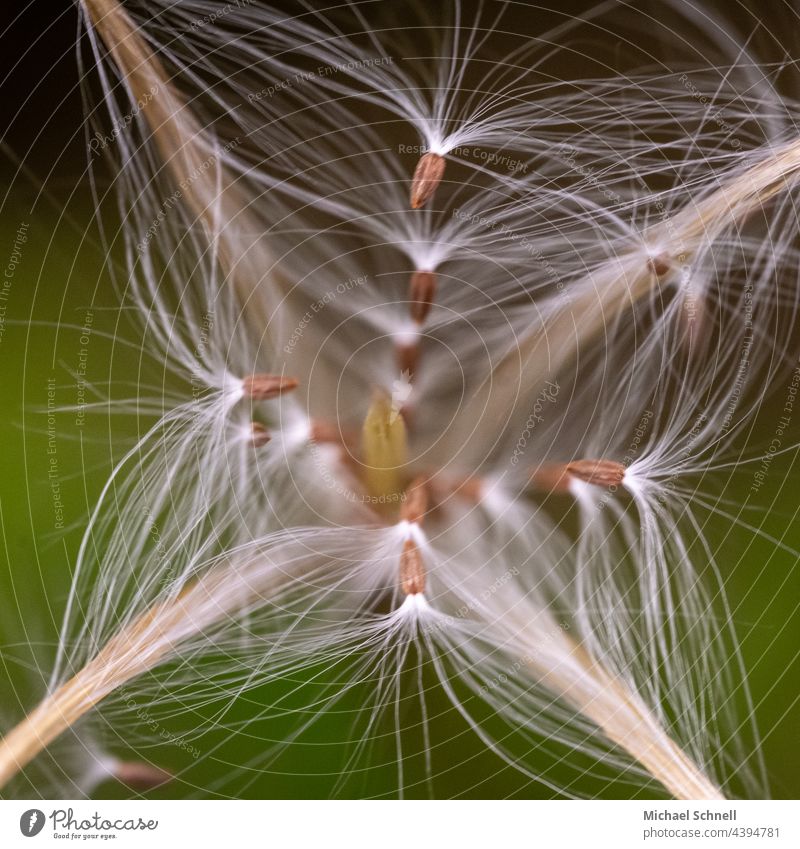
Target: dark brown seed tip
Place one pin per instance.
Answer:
(262, 387)
(598, 472)
(407, 356)
(427, 176)
(552, 477)
(470, 488)
(412, 570)
(422, 290)
(140, 775)
(660, 264)
(259, 434)
(415, 504)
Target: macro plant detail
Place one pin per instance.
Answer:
(455, 354)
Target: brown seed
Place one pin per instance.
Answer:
(472, 489)
(412, 570)
(660, 264)
(259, 434)
(422, 290)
(407, 356)
(598, 472)
(427, 176)
(552, 477)
(262, 387)
(140, 775)
(415, 504)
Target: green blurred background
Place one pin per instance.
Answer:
(62, 284)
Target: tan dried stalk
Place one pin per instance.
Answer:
(156, 636)
(628, 722)
(135, 650)
(194, 163)
(619, 285)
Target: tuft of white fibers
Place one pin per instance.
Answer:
(441, 416)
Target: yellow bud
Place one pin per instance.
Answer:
(385, 452)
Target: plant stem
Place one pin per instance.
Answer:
(553, 344)
(629, 723)
(579, 680)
